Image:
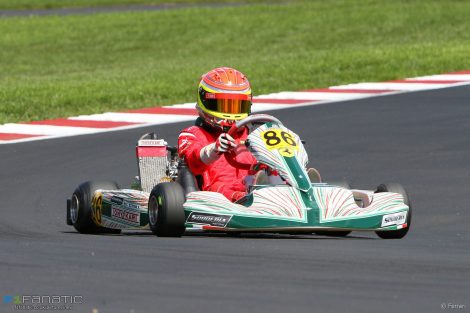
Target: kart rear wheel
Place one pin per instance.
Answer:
(399, 233)
(80, 211)
(165, 208)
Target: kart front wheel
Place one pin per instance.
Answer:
(165, 208)
(399, 233)
(79, 211)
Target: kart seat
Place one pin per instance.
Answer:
(186, 178)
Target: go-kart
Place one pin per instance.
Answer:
(287, 198)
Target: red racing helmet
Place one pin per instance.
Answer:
(224, 96)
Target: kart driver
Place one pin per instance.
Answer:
(224, 96)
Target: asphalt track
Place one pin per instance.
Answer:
(420, 139)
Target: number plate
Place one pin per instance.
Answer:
(278, 139)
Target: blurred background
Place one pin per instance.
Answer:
(61, 58)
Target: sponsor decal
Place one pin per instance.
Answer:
(184, 144)
(394, 219)
(131, 205)
(209, 219)
(117, 200)
(151, 142)
(287, 152)
(124, 215)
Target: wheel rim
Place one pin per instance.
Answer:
(74, 206)
(153, 211)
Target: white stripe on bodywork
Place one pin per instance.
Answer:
(271, 202)
(209, 154)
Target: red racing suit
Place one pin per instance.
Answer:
(218, 176)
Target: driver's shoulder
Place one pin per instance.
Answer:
(196, 131)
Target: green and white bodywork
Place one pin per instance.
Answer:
(120, 209)
(296, 204)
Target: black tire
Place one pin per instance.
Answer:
(80, 208)
(339, 233)
(400, 233)
(165, 207)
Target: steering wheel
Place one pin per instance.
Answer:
(236, 131)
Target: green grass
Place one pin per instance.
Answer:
(62, 66)
(49, 4)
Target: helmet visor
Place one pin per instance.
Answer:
(228, 106)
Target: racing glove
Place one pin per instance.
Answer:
(237, 195)
(210, 153)
(224, 143)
